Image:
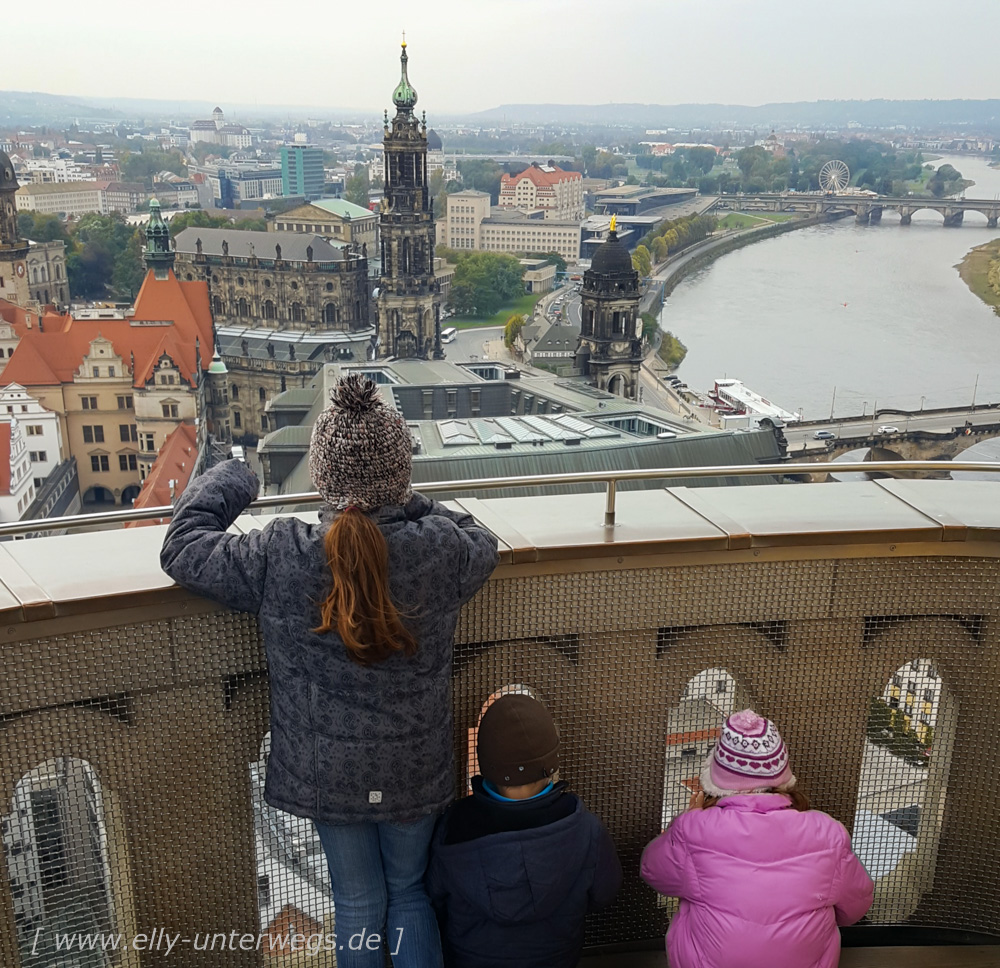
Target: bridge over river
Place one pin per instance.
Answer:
(922, 435)
(867, 209)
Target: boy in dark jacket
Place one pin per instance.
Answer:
(516, 867)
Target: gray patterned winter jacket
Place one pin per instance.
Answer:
(349, 743)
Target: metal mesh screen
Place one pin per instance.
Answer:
(132, 755)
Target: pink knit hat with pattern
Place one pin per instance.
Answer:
(749, 757)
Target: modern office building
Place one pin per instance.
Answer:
(302, 170)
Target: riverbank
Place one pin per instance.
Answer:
(980, 271)
(703, 253)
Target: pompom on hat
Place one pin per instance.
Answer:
(360, 453)
(749, 757)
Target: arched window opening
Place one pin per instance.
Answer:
(693, 726)
(472, 760)
(296, 312)
(904, 776)
(268, 308)
(243, 307)
(65, 856)
(330, 313)
(293, 881)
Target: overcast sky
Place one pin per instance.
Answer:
(470, 55)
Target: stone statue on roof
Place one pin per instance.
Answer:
(277, 251)
(225, 247)
(309, 253)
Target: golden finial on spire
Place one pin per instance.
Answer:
(404, 39)
(614, 222)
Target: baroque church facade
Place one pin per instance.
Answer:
(409, 299)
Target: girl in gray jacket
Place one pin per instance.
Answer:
(358, 617)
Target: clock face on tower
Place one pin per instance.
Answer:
(19, 268)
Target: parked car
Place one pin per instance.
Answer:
(886, 429)
(824, 435)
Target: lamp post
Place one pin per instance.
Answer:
(922, 404)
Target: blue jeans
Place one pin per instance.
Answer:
(377, 872)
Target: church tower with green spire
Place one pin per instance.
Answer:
(409, 301)
(158, 255)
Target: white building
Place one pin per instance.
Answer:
(39, 428)
(17, 489)
(63, 199)
(471, 223)
(217, 132)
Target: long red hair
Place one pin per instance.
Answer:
(360, 607)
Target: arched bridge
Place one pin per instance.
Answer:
(867, 209)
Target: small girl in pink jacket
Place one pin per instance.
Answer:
(763, 880)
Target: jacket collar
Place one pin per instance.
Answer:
(756, 802)
(387, 514)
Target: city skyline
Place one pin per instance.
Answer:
(727, 53)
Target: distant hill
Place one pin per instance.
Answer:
(980, 114)
(21, 107)
(33, 107)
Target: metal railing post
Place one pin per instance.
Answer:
(609, 506)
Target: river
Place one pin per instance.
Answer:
(848, 316)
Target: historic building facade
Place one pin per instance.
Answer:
(13, 249)
(409, 300)
(292, 281)
(610, 335)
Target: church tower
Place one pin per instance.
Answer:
(13, 249)
(158, 254)
(610, 335)
(409, 301)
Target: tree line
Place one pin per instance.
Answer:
(104, 252)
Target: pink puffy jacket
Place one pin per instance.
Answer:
(762, 885)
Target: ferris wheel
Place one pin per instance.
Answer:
(834, 176)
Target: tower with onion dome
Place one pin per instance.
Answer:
(610, 349)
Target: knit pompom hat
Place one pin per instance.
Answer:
(749, 757)
(360, 451)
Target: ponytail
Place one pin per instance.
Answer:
(359, 607)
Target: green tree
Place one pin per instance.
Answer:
(356, 188)
(512, 329)
(141, 166)
(641, 261)
(129, 271)
(482, 175)
(41, 227)
(552, 258)
(649, 326)
(703, 159)
(483, 282)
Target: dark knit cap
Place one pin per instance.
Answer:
(517, 742)
(360, 452)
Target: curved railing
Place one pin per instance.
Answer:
(861, 617)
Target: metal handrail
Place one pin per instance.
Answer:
(609, 478)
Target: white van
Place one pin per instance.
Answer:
(449, 335)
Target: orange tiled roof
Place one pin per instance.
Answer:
(5, 457)
(53, 355)
(540, 177)
(175, 462)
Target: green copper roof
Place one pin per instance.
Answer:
(405, 95)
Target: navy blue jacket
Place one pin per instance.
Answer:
(349, 743)
(516, 895)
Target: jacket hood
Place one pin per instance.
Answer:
(519, 876)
